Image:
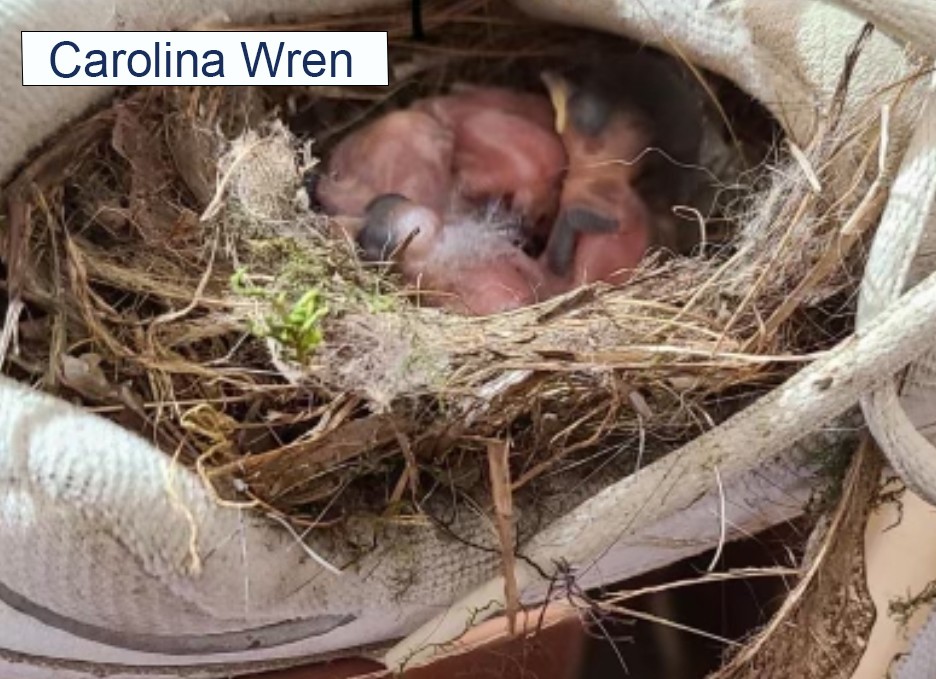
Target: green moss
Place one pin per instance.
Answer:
(297, 266)
(377, 302)
(296, 325)
(294, 266)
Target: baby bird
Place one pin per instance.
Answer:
(403, 152)
(505, 147)
(529, 105)
(466, 264)
(623, 130)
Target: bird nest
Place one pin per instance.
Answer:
(172, 277)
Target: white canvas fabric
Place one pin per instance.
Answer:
(98, 530)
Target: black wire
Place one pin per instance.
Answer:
(416, 7)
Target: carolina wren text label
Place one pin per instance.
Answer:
(204, 58)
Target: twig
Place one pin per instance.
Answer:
(649, 617)
(722, 522)
(498, 462)
(740, 574)
(311, 553)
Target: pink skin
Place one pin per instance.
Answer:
(463, 266)
(600, 180)
(505, 146)
(485, 143)
(534, 107)
(499, 285)
(612, 257)
(405, 152)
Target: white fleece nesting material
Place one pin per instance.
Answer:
(89, 530)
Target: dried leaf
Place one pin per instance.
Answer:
(84, 375)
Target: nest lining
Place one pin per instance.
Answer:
(175, 281)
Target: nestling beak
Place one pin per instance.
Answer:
(558, 88)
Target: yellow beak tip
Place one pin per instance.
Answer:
(558, 88)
